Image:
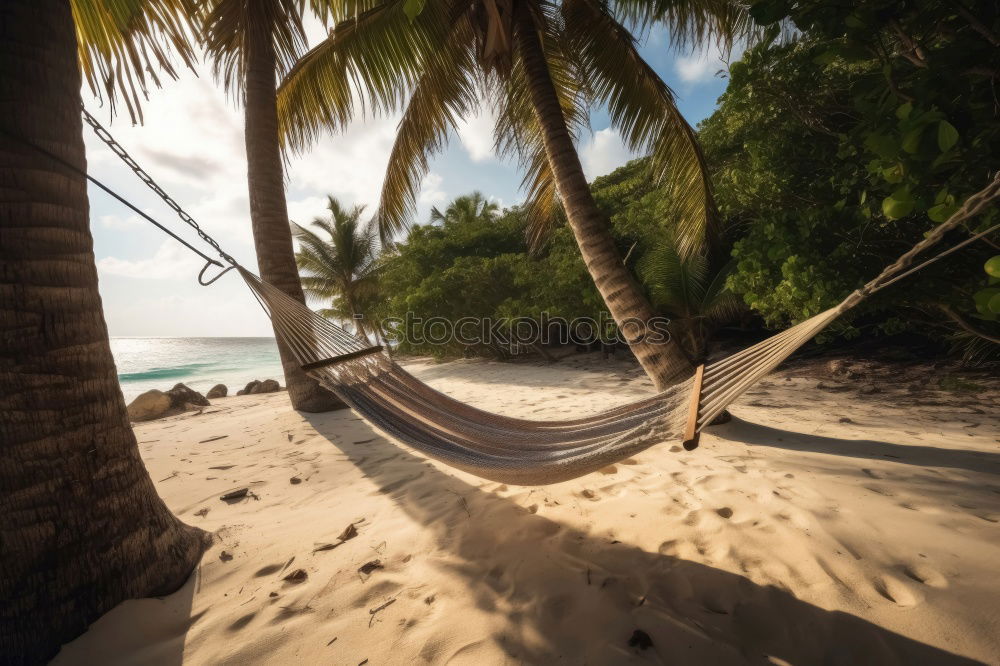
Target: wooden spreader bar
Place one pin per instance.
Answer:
(340, 359)
(691, 433)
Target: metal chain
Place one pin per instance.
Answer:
(110, 142)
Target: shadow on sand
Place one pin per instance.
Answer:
(753, 434)
(158, 639)
(597, 592)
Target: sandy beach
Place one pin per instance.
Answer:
(819, 526)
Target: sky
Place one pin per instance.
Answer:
(191, 143)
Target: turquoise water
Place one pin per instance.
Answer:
(201, 363)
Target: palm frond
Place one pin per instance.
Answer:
(232, 31)
(675, 283)
(643, 109)
(691, 22)
(375, 56)
(445, 93)
(344, 267)
(719, 303)
(123, 44)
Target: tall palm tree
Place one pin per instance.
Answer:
(466, 208)
(342, 269)
(83, 528)
(539, 63)
(252, 43)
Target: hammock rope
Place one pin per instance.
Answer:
(507, 449)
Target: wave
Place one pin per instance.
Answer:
(173, 372)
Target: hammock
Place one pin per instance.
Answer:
(502, 448)
(525, 452)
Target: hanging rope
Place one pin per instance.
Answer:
(108, 190)
(105, 136)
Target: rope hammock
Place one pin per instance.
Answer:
(520, 451)
(525, 452)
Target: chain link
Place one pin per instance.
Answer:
(141, 174)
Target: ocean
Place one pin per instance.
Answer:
(200, 363)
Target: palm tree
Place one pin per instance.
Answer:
(83, 528)
(344, 268)
(539, 64)
(691, 292)
(251, 44)
(466, 208)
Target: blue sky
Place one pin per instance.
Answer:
(192, 143)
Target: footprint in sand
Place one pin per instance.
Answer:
(928, 509)
(925, 574)
(896, 591)
(268, 570)
(242, 622)
(874, 474)
(725, 512)
(589, 494)
(610, 469)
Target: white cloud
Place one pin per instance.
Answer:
(604, 153)
(304, 211)
(476, 133)
(350, 166)
(697, 66)
(170, 261)
(704, 62)
(430, 190)
(120, 223)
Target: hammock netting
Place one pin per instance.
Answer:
(526, 452)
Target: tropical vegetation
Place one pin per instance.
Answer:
(340, 268)
(541, 65)
(847, 131)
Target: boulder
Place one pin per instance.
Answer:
(181, 396)
(217, 391)
(249, 388)
(266, 386)
(150, 405)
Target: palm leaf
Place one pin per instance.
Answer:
(444, 93)
(232, 29)
(376, 56)
(691, 22)
(642, 108)
(122, 44)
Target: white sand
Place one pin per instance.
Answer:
(789, 535)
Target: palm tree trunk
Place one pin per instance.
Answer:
(272, 233)
(664, 362)
(81, 526)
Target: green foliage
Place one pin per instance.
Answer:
(341, 266)
(834, 152)
(479, 266)
(471, 260)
